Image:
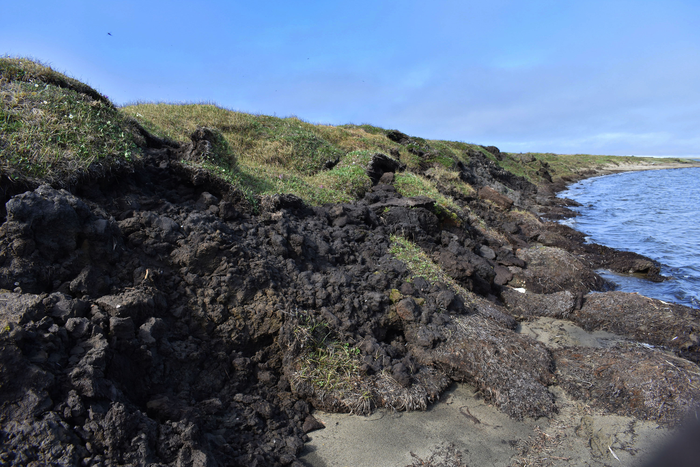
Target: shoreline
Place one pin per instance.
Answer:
(418, 300)
(597, 229)
(192, 301)
(442, 435)
(617, 168)
(611, 169)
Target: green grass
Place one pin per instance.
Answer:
(32, 71)
(562, 166)
(56, 129)
(325, 363)
(417, 261)
(52, 129)
(409, 184)
(287, 155)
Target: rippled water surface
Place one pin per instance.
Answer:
(655, 213)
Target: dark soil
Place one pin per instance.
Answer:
(156, 318)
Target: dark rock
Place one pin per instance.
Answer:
(503, 275)
(136, 304)
(77, 327)
(511, 227)
(329, 164)
(400, 373)
(495, 151)
(487, 252)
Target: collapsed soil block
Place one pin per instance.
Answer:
(630, 380)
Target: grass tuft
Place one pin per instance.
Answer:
(326, 363)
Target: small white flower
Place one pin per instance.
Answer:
(70, 115)
(44, 102)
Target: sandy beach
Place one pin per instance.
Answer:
(461, 429)
(639, 166)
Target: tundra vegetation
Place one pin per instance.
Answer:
(181, 284)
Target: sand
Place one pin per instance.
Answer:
(462, 424)
(638, 166)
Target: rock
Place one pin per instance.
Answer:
(151, 330)
(18, 308)
(510, 227)
(400, 373)
(445, 299)
(77, 327)
(503, 275)
(487, 252)
(136, 304)
(495, 151)
(54, 215)
(90, 281)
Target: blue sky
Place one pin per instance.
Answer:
(603, 77)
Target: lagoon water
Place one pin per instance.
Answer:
(655, 213)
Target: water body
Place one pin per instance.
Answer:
(655, 213)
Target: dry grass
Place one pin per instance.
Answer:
(450, 178)
(289, 155)
(329, 373)
(631, 380)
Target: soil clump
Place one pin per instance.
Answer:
(158, 318)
